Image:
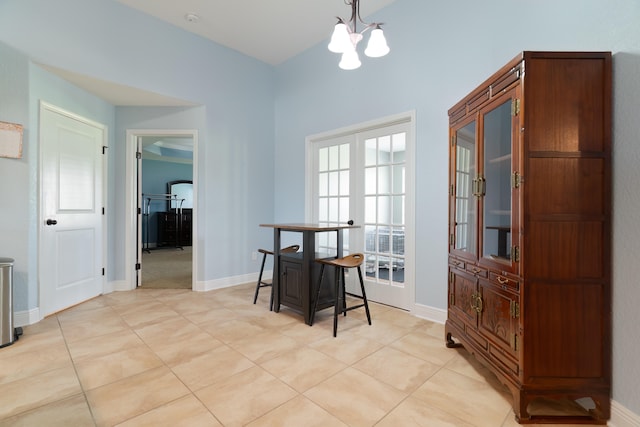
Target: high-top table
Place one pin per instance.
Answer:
(295, 276)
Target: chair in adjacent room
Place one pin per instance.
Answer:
(261, 283)
(340, 303)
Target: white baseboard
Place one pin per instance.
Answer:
(227, 282)
(433, 314)
(26, 317)
(622, 417)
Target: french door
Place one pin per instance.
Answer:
(366, 175)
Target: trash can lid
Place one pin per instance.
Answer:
(6, 261)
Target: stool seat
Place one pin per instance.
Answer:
(349, 261)
(261, 283)
(340, 264)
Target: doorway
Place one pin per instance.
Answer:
(161, 202)
(365, 173)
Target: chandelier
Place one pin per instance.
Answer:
(345, 39)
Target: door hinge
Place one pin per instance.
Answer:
(138, 266)
(515, 179)
(452, 190)
(139, 211)
(514, 342)
(515, 107)
(103, 210)
(453, 140)
(514, 309)
(104, 149)
(138, 155)
(103, 271)
(451, 239)
(451, 277)
(515, 253)
(452, 299)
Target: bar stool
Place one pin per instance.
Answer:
(263, 284)
(340, 264)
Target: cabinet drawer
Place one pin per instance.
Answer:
(504, 282)
(477, 271)
(499, 355)
(457, 263)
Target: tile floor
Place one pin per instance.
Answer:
(162, 357)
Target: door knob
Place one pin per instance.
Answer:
(51, 222)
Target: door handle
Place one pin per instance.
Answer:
(51, 222)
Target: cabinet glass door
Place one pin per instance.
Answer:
(465, 209)
(495, 183)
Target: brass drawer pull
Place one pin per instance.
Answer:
(502, 280)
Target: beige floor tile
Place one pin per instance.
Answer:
(398, 369)
(211, 367)
(103, 344)
(471, 400)
(263, 347)
(151, 313)
(381, 331)
(246, 396)
(32, 355)
(298, 412)
(184, 412)
(404, 319)
(355, 398)
(347, 347)
(89, 324)
(232, 330)
(414, 413)
(306, 334)
(303, 368)
(425, 347)
(209, 314)
(72, 411)
(185, 348)
(34, 391)
(98, 371)
(132, 396)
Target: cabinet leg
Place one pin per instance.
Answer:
(451, 343)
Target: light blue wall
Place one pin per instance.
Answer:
(15, 199)
(439, 52)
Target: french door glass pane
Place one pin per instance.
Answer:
(333, 193)
(465, 210)
(384, 208)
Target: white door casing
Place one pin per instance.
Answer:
(72, 220)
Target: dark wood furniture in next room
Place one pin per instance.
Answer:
(530, 232)
(295, 275)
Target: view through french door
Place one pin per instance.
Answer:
(366, 174)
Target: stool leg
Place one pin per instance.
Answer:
(364, 295)
(255, 297)
(336, 308)
(315, 303)
(344, 294)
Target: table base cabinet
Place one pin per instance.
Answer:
(529, 283)
(297, 291)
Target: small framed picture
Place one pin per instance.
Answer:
(10, 140)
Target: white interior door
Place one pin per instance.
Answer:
(71, 227)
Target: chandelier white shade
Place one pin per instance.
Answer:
(345, 39)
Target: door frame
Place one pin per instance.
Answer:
(41, 215)
(409, 118)
(132, 238)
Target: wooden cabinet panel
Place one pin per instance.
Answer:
(530, 230)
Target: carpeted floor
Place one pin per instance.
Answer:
(168, 268)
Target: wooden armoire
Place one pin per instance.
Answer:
(529, 282)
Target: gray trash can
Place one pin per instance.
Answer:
(7, 332)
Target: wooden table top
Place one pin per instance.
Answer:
(310, 226)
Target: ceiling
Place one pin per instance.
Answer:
(271, 31)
